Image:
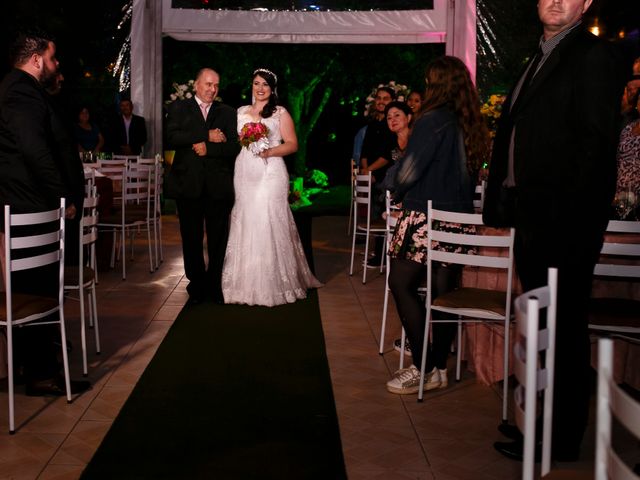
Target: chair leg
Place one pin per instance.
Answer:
(366, 257)
(459, 352)
(65, 356)
(123, 251)
(151, 267)
(403, 339)
(94, 313)
(505, 375)
(83, 330)
(12, 425)
(353, 249)
(384, 310)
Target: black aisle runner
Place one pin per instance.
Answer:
(233, 392)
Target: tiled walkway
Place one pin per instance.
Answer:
(384, 436)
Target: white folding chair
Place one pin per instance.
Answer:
(364, 227)
(489, 250)
(82, 278)
(612, 400)
(156, 208)
(618, 261)
(135, 211)
(24, 251)
(531, 343)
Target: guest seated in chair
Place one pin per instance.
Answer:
(449, 144)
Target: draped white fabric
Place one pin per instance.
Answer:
(408, 26)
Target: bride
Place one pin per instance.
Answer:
(264, 262)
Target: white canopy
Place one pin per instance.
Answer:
(449, 22)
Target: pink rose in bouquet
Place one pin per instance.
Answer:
(254, 137)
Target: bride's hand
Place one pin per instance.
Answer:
(265, 153)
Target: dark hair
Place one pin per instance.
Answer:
(389, 90)
(402, 106)
(27, 43)
(449, 84)
(270, 108)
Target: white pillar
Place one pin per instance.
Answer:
(146, 69)
(461, 32)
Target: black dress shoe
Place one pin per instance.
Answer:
(195, 300)
(55, 387)
(513, 450)
(510, 431)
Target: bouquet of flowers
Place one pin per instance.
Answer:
(254, 137)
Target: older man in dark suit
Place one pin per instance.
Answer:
(552, 176)
(203, 133)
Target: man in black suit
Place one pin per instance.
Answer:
(32, 179)
(128, 132)
(552, 176)
(203, 133)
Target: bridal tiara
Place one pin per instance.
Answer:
(265, 70)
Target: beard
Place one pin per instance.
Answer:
(48, 76)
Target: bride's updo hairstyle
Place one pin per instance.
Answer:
(272, 80)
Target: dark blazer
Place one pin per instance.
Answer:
(30, 176)
(192, 176)
(565, 143)
(137, 134)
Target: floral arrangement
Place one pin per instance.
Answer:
(181, 91)
(402, 92)
(254, 137)
(491, 110)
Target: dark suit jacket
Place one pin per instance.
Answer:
(30, 177)
(192, 176)
(565, 144)
(137, 134)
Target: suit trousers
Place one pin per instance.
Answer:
(197, 216)
(572, 385)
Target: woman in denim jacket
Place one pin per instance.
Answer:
(448, 145)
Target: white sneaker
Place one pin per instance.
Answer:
(436, 378)
(405, 381)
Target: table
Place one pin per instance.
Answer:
(484, 342)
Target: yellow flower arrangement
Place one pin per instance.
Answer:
(491, 110)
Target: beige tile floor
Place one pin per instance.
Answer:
(384, 436)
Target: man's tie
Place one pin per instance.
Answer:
(205, 109)
(528, 77)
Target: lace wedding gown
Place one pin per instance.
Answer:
(264, 262)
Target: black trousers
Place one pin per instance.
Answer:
(404, 279)
(196, 216)
(575, 262)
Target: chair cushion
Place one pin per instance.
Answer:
(473, 298)
(615, 312)
(26, 305)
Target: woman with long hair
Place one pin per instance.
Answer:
(445, 152)
(264, 263)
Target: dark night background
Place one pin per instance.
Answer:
(88, 44)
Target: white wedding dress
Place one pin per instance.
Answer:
(264, 262)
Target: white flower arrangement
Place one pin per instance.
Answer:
(182, 91)
(402, 92)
